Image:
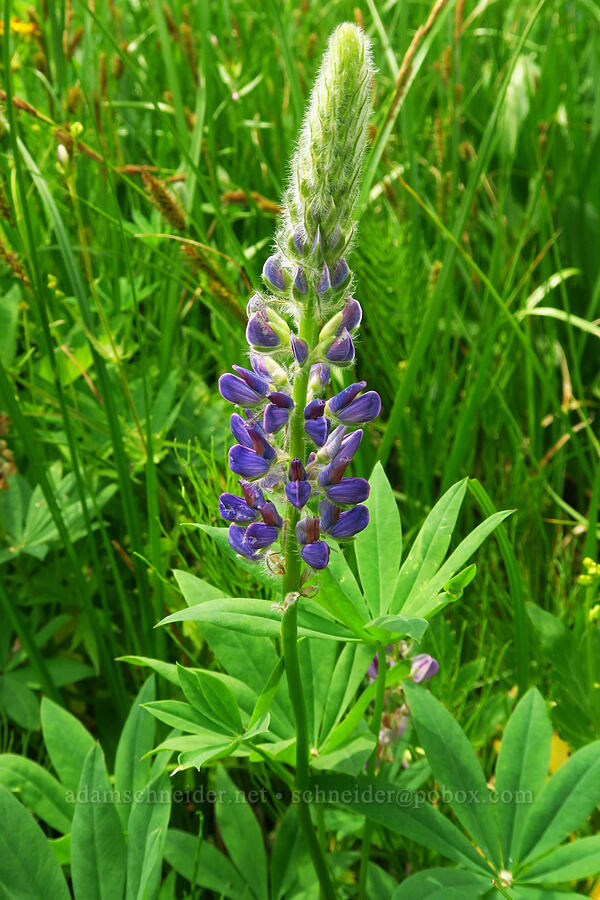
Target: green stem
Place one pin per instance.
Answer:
(289, 625)
(375, 728)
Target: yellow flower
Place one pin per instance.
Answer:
(18, 27)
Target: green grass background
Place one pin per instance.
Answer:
(477, 266)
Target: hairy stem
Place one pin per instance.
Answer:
(289, 627)
(375, 728)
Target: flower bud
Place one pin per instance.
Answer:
(423, 667)
(274, 275)
(299, 349)
(340, 275)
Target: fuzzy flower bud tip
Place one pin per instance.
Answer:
(327, 164)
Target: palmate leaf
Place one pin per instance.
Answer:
(203, 866)
(400, 810)
(379, 547)
(211, 697)
(137, 738)
(443, 884)
(522, 766)
(562, 805)
(456, 768)
(258, 618)
(576, 860)
(67, 742)
(146, 837)
(37, 790)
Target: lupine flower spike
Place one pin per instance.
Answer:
(293, 444)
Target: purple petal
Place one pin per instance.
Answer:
(259, 535)
(235, 509)
(270, 516)
(259, 383)
(259, 440)
(340, 274)
(274, 418)
(246, 462)
(260, 367)
(280, 399)
(307, 530)
(299, 349)
(317, 430)
(300, 283)
(253, 495)
(297, 470)
(239, 429)
(342, 349)
(351, 442)
(319, 377)
(423, 667)
(299, 239)
(329, 513)
(350, 523)
(236, 537)
(316, 554)
(260, 334)
(254, 304)
(324, 282)
(339, 401)
(363, 409)
(297, 493)
(349, 490)
(333, 472)
(314, 409)
(273, 273)
(237, 391)
(351, 314)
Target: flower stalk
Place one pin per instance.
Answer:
(375, 728)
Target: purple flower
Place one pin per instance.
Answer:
(314, 409)
(284, 401)
(341, 400)
(348, 523)
(297, 489)
(351, 442)
(259, 382)
(351, 314)
(274, 418)
(348, 491)
(253, 495)
(299, 349)
(316, 554)
(247, 463)
(235, 509)
(350, 408)
(237, 391)
(307, 530)
(236, 537)
(317, 430)
(273, 273)
(341, 349)
(259, 535)
(260, 334)
(333, 472)
(423, 667)
(270, 516)
(300, 284)
(318, 378)
(340, 275)
(324, 282)
(239, 429)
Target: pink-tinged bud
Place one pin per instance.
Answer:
(351, 314)
(273, 274)
(423, 667)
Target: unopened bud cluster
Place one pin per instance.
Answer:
(303, 323)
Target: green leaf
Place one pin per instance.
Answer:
(211, 697)
(563, 803)
(340, 595)
(137, 738)
(402, 811)
(182, 715)
(400, 625)
(213, 871)
(258, 572)
(28, 867)
(19, 702)
(379, 547)
(522, 767)
(97, 843)
(257, 618)
(349, 671)
(349, 757)
(168, 671)
(455, 767)
(532, 893)
(423, 602)
(61, 847)
(146, 839)
(265, 698)
(576, 860)
(67, 742)
(241, 835)
(430, 546)
(443, 884)
(37, 789)
(195, 590)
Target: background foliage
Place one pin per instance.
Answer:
(125, 264)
